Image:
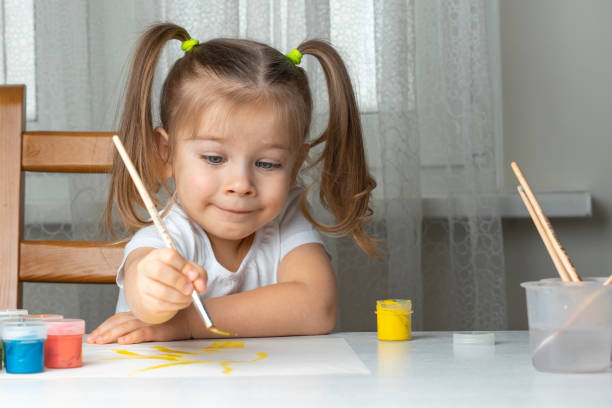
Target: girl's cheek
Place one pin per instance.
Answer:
(196, 181)
(200, 182)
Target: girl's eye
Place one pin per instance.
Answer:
(213, 159)
(267, 165)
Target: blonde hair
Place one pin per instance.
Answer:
(243, 71)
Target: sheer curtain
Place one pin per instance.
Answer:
(424, 86)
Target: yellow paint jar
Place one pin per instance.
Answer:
(394, 319)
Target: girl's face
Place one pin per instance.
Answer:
(234, 175)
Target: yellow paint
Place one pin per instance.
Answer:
(176, 357)
(167, 350)
(393, 318)
(228, 369)
(224, 344)
(217, 331)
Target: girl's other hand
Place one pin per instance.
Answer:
(165, 281)
(125, 328)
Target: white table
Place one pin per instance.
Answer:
(425, 372)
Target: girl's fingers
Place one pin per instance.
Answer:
(139, 335)
(154, 301)
(200, 285)
(112, 333)
(169, 277)
(170, 257)
(108, 323)
(159, 332)
(196, 274)
(168, 294)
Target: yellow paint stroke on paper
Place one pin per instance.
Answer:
(176, 357)
(224, 344)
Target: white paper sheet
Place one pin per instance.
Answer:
(316, 355)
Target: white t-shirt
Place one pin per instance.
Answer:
(272, 242)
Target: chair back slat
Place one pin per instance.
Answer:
(67, 152)
(69, 261)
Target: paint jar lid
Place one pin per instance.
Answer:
(44, 316)
(60, 327)
(404, 305)
(474, 337)
(13, 318)
(23, 330)
(12, 312)
(4, 319)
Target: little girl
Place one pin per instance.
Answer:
(235, 117)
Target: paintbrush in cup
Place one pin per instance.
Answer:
(551, 251)
(547, 227)
(551, 242)
(148, 202)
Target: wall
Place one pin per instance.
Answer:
(557, 89)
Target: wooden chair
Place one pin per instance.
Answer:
(62, 152)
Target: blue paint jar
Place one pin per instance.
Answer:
(6, 314)
(23, 343)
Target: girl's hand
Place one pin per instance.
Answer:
(164, 281)
(125, 328)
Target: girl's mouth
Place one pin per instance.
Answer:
(232, 211)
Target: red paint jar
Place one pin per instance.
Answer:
(64, 345)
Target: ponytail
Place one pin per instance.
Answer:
(346, 183)
(136, 130)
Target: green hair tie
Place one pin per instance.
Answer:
(187, 45)
(295, 56)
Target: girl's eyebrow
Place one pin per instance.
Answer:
(210, 137)
(274, 145)
(221, 139)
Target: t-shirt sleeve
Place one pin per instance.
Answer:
(295, 229)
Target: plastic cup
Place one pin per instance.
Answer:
(7, 314)
(23, 342)
(570, 325)
(64, 345)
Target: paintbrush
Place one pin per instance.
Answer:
(146, 198)
(547, 243)
(548, 231)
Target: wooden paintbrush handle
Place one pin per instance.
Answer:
(550, 233)
(551, 251)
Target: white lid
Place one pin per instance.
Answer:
(12, 312)
(24, 330)
(474, 337)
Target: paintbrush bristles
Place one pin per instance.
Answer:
(550, 233)
(551, 251)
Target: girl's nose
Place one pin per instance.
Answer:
(239, 182)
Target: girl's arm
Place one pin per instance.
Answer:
(303, 302)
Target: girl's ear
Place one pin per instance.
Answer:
(302, 155)
(163, 146)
